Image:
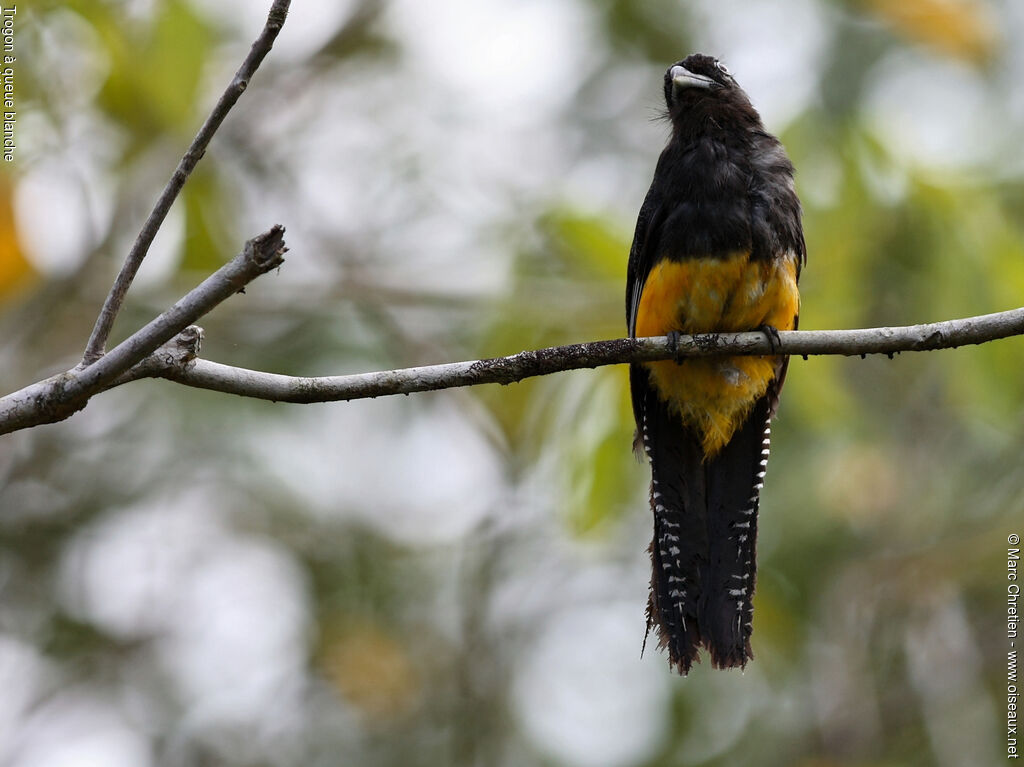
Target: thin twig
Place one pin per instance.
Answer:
(59, 396)
(504, 370)
(112, 305)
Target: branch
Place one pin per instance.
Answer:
(59, 396)
(112, 305)
(185, 369)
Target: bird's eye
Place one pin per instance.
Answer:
(723, 68)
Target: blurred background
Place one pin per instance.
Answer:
(459, 578)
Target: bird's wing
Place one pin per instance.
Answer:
(642, 253)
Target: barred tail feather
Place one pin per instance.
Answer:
(734, 480)
(705, 530)
(680, 543)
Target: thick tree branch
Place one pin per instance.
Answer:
(188, 370)
(112, 305)
(59, 396)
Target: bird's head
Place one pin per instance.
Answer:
(700, 86)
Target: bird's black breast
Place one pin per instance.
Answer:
(719, 197)
(716, 193)
(704, 185)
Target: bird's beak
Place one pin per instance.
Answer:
(684, 78)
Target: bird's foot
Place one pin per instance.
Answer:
(673, 345)
(772, 334)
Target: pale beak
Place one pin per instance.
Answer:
(684, 78)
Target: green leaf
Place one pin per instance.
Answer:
(155, 73)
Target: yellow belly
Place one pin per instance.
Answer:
(714, 395)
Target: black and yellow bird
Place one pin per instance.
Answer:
(718, 247)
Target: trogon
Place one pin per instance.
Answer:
(718, 247)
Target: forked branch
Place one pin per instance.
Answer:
(59, 396)
(112, 305)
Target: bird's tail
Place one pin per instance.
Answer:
(734, 480)
(705, 529)
(680, 544)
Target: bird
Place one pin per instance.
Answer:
(718, 247)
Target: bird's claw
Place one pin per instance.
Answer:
(673, 344)
(772, 334)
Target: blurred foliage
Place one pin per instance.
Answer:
(14, 267)
(154, 75)
(224, 582)
(955, 27)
